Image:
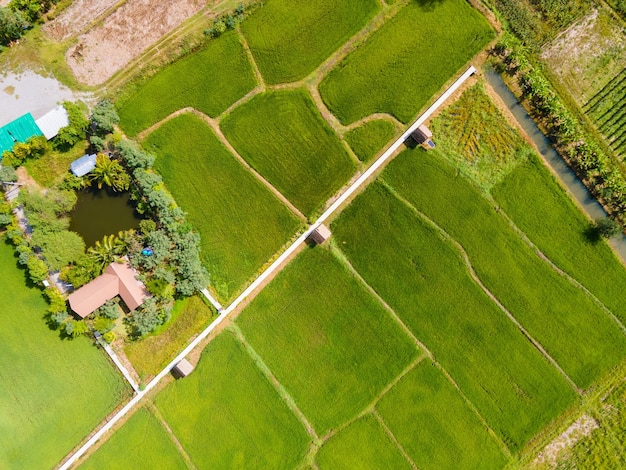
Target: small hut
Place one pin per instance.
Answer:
(83, 165)
(320, 234)
(183, 368)
(423, 136)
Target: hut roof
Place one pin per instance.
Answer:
(320, 234)
(183, 368)
(83, 165)
(19, 130)
(53, 121)
(421, 134)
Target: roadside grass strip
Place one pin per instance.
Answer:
(544, 211)
(290, 39)
(325, 338)
(435, 426)
(368, 139)
(142, 443)
(209, 80)
(240, 221)
(227, 414)
(53, 393)
(282, 136)
(406, 61)
(362, 445)
(582, 338)
(426, 282)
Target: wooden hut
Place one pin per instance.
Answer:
(183, 368)
(320, 234)
(423, 136)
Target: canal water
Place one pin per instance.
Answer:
(567, 176)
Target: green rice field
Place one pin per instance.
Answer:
(227, 414)
(330, 343)
(554, 311)
(208, 80)
(53, 392)
(424, 279)
(406, 61)
(289, 40)
(226, 204)
(370, 138)
(282, 135)
(141, 444)
(427, 414)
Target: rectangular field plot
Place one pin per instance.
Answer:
(370, 138)
(226, 414)
(435, 426)
(208, 80)
(544, 211)
(331, 344)
(241, 222)
(363, 445)
(282, 135)
(290, 39)
(406, 61)
(424, 279)
(52, 392)
(141, 444)
(575, 331)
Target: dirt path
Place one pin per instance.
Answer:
(391, 436)
(157, 414)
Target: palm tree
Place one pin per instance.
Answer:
(109, 173)
(106, 251)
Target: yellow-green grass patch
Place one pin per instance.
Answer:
(425, 280)
(226, 414)
(402, 65)
(283, 136)
(241, 222)
(369, 139)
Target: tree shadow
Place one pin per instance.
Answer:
(592, 234)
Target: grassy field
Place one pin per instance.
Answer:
(427, 414)
(543, 210)
(151, 353)
(224, 202)
(227, 415)
(423, 278)
(282, 135)
(554, 311)
(362, 445)
(53, 392)
(208, 80)
(370, 138)
(330, 343)
(289, 40)
(404, 61)
(141, 444)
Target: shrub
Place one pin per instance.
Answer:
(11, 25)
(7, 174)
(37, 269)
(109, 337)
(607, 227)
(104, 117)
(75, 131)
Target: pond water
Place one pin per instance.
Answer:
(99, 212)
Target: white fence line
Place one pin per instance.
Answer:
(270, 270)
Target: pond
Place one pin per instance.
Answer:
(100, 212)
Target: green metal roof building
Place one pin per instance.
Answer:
(19, 130)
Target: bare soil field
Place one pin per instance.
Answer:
(76, 17)
(124, 34)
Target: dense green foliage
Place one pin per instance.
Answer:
(370, 138)
(227, 414)
(104, 117)
(315, 320)
(619, 6)
(282, 135)
(289, 40)
(241, 222)
(208, 80)
(406, 61)
(127, 447)
(53, 392)
(362, 445)
(427, 414)
(424, 279)
(11, 25)
(554, 311)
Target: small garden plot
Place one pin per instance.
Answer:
(363, 445)
(226, 414)
(435, 426)
(331, 344)
(424, 279)
(575, 331)
(370, 138)
(289, 40)
(406, 61)
(542, 209)
(282, 135)
(241, 223)
(53, 392)
(142, 443)
(208, 80)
